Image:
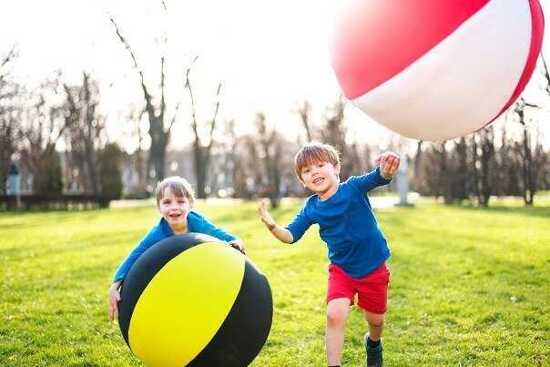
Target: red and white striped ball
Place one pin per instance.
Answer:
(436, 69)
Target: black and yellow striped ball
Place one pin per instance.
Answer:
(192, 300)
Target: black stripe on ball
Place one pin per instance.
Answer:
(246, 328)
(146, 267)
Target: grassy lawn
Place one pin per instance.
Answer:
(470, 287)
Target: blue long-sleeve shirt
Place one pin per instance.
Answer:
(195, 223)
(347, 225)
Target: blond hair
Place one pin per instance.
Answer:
(179, 186)
(312, 153)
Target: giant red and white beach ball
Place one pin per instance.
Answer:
(436, 69)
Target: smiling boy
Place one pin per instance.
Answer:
(357, 249)
(175, 200)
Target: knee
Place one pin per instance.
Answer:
(376, 321)
(336, 317)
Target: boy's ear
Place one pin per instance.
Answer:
(337, 169)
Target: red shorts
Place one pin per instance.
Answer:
(371, 290)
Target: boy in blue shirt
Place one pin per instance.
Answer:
(357, 249)
(175, 204)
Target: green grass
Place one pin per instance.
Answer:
(470, 287)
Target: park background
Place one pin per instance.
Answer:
(98, 101)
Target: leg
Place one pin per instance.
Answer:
(373, 343)
(376, 323)
(373, 296)
(337, 314)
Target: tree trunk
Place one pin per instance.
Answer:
(528, 185)
(487, 153)
(475, 171)
(201, 160)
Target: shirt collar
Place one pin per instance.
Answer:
(165, 227)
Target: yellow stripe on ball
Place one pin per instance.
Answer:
(190, 296)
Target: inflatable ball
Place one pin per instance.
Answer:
(192, 300)
(436, 69)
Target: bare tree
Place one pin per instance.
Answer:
(474, 167)
(137, 159)
(334, 133)
(271, 148)
(532, 155)
(10, 111)
(202, 149)
(255, 171)
(160, 126)
(42, 126)
(236, 161)
(486, 164)
(459, 180)
(444, 173)
(509, 163)
(84, 132)
(304, 111)
(9, 127)
(9, 57)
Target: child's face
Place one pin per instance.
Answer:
(174, 208)
(320, 177)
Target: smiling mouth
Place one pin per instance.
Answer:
(318, 180)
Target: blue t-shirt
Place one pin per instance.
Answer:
(347, 225)
(195, 223)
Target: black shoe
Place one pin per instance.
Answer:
(374, 354)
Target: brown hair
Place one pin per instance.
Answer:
(179, 186)
(312, 153)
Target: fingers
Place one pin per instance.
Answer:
(113, 311)
(389, 163)
(114, 299)
(262, 206)
(262, 210)
(238, 246)
(395, 163)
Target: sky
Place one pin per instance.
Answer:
(269, 55)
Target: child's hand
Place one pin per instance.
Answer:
(389, 163)
(239, 245)
(264, 214)
(114, 299)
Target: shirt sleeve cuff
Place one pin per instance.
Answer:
(294, 239)
(383, 181)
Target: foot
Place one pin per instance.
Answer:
(374, 354)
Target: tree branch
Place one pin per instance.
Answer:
(193, 109)
(546, 75)
(214, 118)
(162, 96)
(148, 101)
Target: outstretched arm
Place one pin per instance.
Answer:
(282, 234)
(387, 166)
